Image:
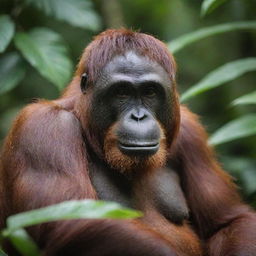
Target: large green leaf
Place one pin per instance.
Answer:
(12, 71)
(187, 39)
(89, 209)
(45, 51)
(24, 243)
(6, 31)
(220, 76)
(236, 129)
(209, 5)
(76, 12)
(246, 99)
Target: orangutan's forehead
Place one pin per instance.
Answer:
(134, 63)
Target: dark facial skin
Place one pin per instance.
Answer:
(133, 91)
(135, 94)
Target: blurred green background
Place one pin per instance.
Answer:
(41, 41)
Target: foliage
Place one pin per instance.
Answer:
(76, 12)
(2, 253)
(209, 5)
(45, 51)
(187, 39)
(242, 126)
(12, 71)
(245, 99)
(43, 48)
(221, 76)
(82, 209)
(236, 129)
(6, 31)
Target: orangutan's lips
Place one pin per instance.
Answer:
(139, 148)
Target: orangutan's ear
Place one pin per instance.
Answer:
(83, 83)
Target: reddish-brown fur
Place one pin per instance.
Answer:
(44, 161)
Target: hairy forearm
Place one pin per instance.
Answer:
(113, 237)
(237, 238)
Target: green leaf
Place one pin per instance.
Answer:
(248, 177)
(12, 71)
(246, 99)
(236, 129)
(221, 75)
(89, 209)
(209, 5)
(2, 253)
(187, 39)
(6, 31)
(244, 169)
(24, 243)
(78, 13)
(45, 51)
